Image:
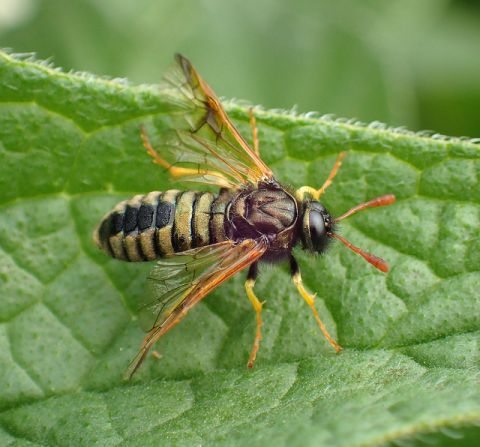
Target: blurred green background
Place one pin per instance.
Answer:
(413, 63)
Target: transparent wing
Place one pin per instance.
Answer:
(203, 137)
(177, 283)
(171, 279)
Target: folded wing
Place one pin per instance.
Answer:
(203, 138)
(177, 283)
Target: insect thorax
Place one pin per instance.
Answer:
(266, 210)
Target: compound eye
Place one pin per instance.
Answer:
(317, 228)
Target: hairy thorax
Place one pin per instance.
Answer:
(268, 210)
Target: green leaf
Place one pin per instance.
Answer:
(70, 149)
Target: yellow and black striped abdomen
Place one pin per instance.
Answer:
(148, 227)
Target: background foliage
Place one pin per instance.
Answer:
(69, 150)
(404, 62)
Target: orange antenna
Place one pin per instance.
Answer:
(377, 262)
(379, 201)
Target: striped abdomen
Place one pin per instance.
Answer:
(148, 227)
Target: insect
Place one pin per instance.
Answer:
(200, 239)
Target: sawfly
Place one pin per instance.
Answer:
(200, 239)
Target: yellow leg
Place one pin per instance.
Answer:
(310, 300)
(253, 125)
(156, 354)
(175, 171)
(316, 193)
(333, 173)
(257, 305)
